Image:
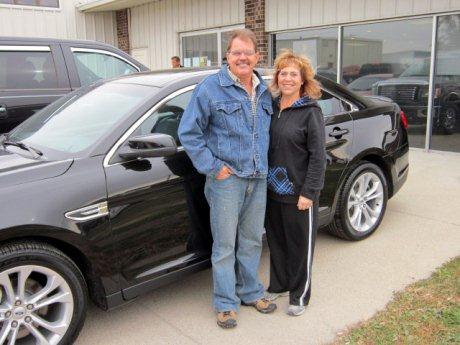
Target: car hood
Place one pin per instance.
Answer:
(404, 81)
(16, 169)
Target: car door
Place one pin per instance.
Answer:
(88, 64)
(159, 215)
(339, 141)
(31, 77)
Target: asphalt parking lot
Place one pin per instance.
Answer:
(351, 280)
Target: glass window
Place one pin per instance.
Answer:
(224, 39)
(27, 70)
(167, 118)
(392, 59)
(84, 119)
(94, 66)
(39, 3)
(330, 105)
(319, 45)
(200, 50)
(446, 100)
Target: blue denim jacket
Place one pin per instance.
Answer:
(219, 127)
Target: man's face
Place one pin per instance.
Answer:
(175, 63)
(242, 57)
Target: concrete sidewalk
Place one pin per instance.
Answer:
(351, 280)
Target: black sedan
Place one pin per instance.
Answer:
(99, 199)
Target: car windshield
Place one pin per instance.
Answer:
(420, 68)
(364, 83)
(83, 119)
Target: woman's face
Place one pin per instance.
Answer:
(290, 81)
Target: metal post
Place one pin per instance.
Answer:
(431, 86)
(339, 53)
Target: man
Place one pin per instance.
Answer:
(224, 130)
(175, 62)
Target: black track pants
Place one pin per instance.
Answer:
(291, 246)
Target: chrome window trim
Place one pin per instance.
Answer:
(105, 52)
(5, 48)
(130, 131)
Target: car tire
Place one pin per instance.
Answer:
(43, 294)
(357, 216)
(448, 120)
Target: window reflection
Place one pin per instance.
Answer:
(446, 98)
(319, 45)
(392, 59)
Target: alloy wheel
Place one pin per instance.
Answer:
(365, 202)
(36, 305)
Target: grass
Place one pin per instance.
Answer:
(426, 312)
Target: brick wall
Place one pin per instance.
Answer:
(255, 20)
(123, 30)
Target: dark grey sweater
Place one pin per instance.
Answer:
(297, 156)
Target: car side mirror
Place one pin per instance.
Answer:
(151, 145)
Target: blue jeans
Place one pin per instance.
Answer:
(237, 214)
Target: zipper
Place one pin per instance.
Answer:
(279, 114)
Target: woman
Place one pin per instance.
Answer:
(297, 163)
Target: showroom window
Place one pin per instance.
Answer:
(37, 3)
(319, 45)
(392, 59)
(446, 97)
(205, 48)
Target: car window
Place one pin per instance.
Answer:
(93, 66)
(27, 70)
(167, 118)
(331, 105)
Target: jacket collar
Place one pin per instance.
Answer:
(301, 102)
(226, 80)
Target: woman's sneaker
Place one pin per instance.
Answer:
(226, 319)
(295, 310)
(271, 296)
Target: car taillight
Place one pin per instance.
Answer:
(403, 119)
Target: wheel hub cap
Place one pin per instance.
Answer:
(365, 202)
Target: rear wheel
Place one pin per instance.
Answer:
(43, 295)
(448, 120)
(362, 203)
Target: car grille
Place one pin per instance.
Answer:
(399, 92)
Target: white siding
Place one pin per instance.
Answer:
(294, 14)
(66, 22)
(156, 26)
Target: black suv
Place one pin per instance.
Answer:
(98, 196)
(36, 72)
(410, 91)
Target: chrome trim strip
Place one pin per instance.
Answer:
(125, 136)
(26, 48)
(89, 212)
(105, 52)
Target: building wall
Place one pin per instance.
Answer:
(305, 13)
(155, 27)
(66, 22)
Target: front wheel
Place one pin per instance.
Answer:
(43, 295)
(362, 203)
(448, 120)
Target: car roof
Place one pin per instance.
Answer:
(32, 40)
(162, 78)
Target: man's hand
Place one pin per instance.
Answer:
(224, 173)
(304, 203)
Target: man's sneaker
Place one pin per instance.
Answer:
(295, 310)
(226, 319)
(262, 305)
(271, 296)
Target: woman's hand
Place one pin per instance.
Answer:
(304, 203)
(224, 173)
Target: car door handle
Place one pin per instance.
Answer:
(338, 132)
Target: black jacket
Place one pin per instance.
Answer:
(297, 156)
